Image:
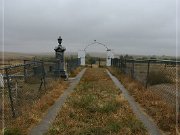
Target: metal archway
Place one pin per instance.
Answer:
(82, 54)
(95, 42)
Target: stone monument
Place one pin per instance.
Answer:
(60, 62)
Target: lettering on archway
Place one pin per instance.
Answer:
(82, 54)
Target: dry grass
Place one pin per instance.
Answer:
(96, 108)
(159, 77)
(32, 113)
(155, 106)
(75, 72)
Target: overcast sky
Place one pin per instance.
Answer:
(126, 26)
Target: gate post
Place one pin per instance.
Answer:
(81, 57)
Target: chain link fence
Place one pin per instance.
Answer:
(72, 64)
(24, 84)
(160, 76)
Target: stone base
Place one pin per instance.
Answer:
(61, 73)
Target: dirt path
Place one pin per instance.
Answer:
(145, 119)
(52, 112)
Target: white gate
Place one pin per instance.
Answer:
(110, 55)
(82, 54)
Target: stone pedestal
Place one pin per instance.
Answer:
(59, 70)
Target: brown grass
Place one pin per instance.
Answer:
(32, 113)
(155, 106)
(75, 72)
(96, 108)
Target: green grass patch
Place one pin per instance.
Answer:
(12, 131)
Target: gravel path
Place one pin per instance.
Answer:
(52, 112)
(143, 117)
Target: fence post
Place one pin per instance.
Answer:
(132, 70)
(147, 77)
(9, 91)
(118, 62)
(44, 74)
(121, 64)
(125, 66)
(25, 72)
(99, 62)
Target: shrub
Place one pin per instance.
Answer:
(158, 77)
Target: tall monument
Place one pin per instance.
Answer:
(60, 62)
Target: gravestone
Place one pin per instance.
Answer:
(59, 70)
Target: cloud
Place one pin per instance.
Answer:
(127, 26)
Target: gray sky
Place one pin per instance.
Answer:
(126, 26)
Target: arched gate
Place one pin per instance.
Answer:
(82, 54)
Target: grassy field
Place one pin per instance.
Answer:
(154, 105)
(96, 107)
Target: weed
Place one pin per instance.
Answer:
(114, 126)
(83, 102)
(112, 106)
(12, 131)
(53, 131)
(72, 115)
(93, 131)
(133, 124)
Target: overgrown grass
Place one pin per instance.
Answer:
(96, 108)
(155, 106)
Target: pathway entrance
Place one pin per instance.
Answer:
(52, 112)
(97, 107)
(82, 54)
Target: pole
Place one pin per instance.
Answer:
(147, 77)
(9, 91)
